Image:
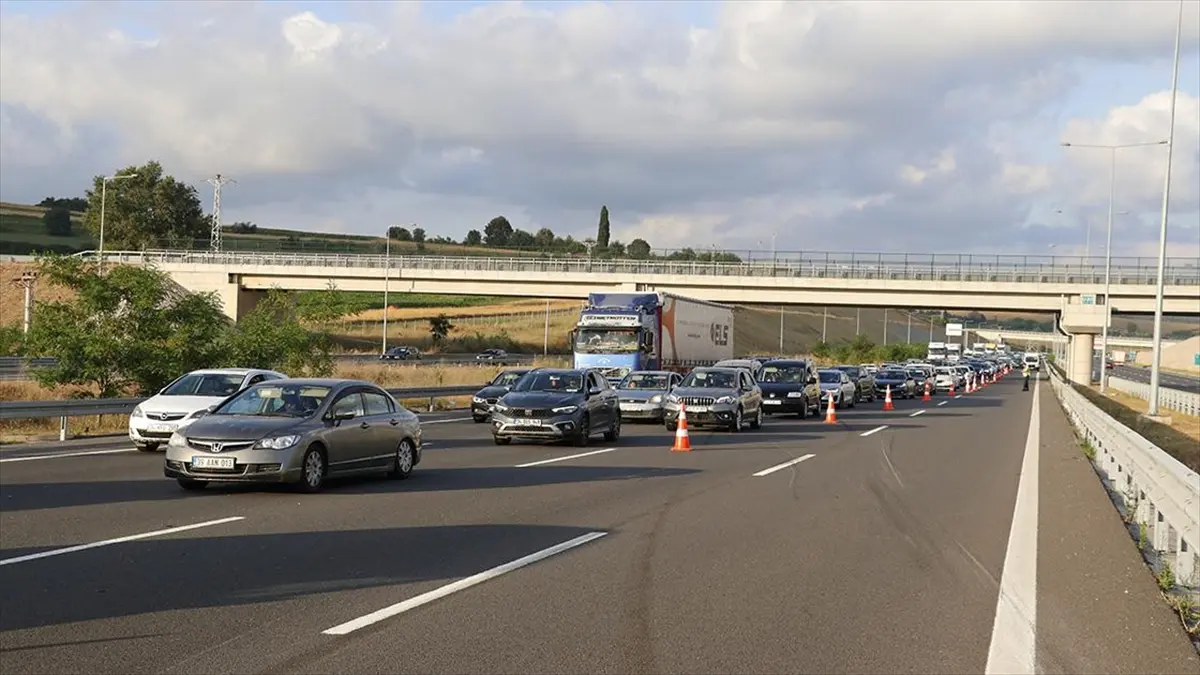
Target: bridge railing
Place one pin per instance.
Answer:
(1156, 492)
(936, 267)
(1185, 402)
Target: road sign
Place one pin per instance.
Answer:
(1089, 300)
(954, 330)
(1196, 359)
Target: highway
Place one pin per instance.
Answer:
(1165, 379)
(877, 544)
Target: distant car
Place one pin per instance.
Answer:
(945, 378)
(183, 401)
(296, 431)
(864, 381)
(552, 404)
(920, 376)
(837, 385)
(901, 383)
(497, 356)
(642, 394)
(790, 387)
(484, 399)
(401, 354)
(717, 397)
(748, 364)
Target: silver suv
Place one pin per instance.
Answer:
(717, 397)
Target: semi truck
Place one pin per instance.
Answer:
(953, 352)
(936, 353)
(621, 332)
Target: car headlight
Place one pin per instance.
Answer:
(565, 410)
(198, 414)
(672, 398)
(137, 412)
(500, 408)
(795, 394)
(278, 442)
(476, 399)
(726, 400)
(177, 441)
(657, 398)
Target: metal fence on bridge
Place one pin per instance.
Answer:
(1174, 399)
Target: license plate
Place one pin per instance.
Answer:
(696, 408)
(772, 402)
(162, 427)
(212, 462)
(631, 406)
(527, 423)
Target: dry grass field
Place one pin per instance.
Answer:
(1188, 425)
(529, 306)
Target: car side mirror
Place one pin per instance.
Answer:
(594, 391)
(342, 415)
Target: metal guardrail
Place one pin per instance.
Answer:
(1181, 401)
(80, 407)
(926, 267)
(1157, 490)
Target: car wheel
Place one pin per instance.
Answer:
(478, 419)
(501, 440)
(148, 447)
(404, 461)
(803, 408)
(312, 471)
(614, 433)
(192, 485)
(736, 426)
(584, 434)
(671, 426)
(756, 423)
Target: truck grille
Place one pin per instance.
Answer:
(697, 400)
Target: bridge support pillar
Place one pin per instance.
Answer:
(1082, 319)
(1082, 346)
(238, 301)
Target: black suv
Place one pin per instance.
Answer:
(790, 386)
(552, 404)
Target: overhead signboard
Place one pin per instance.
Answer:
(954, 330)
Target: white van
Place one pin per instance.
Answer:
(1033, 360)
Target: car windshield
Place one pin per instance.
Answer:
(606, 341)
(831, 376)
(656, 381)
(893, 375)
(914, 373)
(205, 384)
(782, 374)
(710, 379)
(852, 371)
(560, 382)
(272, 400)
(508, 378)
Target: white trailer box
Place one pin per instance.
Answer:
(694, 332)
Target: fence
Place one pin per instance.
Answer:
(1156, 490)
(13, 410)
(1180, 401)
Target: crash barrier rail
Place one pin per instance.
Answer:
(17, 368)
(81, 407)
(1174, 399)
(1156, 490)
(808, 264)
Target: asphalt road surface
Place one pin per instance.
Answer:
(877, 544)
(1165, 379)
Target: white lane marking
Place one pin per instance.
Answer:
(943, 403)
(563, 459)
(1014, 631)
(446, 421)
(958, 397)
(777, 467)
(460, 585)
(919, 412)
(874, 431)
(30, 458)
(118, 540)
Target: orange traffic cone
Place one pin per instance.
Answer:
(926, 397)
(831, 412)
(683, 442)
(887, 399)
(951, 392)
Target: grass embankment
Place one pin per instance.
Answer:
(386, 375)
(1180, 439)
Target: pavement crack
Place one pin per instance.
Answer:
(883, 447)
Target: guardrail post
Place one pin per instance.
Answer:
(62, 429)
(1162, 532)
(430, 404)
(1185, 564)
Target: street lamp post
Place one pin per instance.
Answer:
(1156, 359)
(1112, 191)
(387, 280)
(103, 203)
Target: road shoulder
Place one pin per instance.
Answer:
(1098, 607)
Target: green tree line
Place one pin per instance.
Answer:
(863, 350)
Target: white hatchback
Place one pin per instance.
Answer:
(180, 403)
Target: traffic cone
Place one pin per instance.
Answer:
(831, 412)
(951, 392)
(887, 399)
(926, 397)
(683, 442)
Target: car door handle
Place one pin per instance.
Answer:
(364, 425)
(393, 422)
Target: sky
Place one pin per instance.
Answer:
(897, 127)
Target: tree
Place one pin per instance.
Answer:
(418, 235)
(68, 203)
(399, 233)
(271, 336)
(474, 238)
(603, 231)
(616, 249)
(129, 330)
(322, 308)
(151, 209)
(57, 220)
(497, 231)
(544, 239)
(521, 239)
(11, 340)
(440, 327)
(638, 249)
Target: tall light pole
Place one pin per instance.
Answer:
(824, 324)
(387, 281)
(1112, 191)
(104, 203)
(1156, 359)
(781, 330)
(909, 338)
(885, 326)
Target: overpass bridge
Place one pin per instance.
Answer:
(998, 334)
(1073, 290)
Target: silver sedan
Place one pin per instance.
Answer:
(297, 431)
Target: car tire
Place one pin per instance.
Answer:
(478, 420)
(803, 414)
(671, 426)
(313, 469)
(736, 425)
(192, 485)
(757, 422)
(614, 433)
(404, 461)
(584, 434)
(147, 447)
(501, 440)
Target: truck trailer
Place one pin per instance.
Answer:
(618, 333)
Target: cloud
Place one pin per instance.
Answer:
(907, 126)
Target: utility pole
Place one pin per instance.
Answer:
(387, 280)
(885, 326)
(909, 338)
(824, 324)
(781, 330)
(26, 281)
(857, 321)
(546, 337)
(215, 238)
